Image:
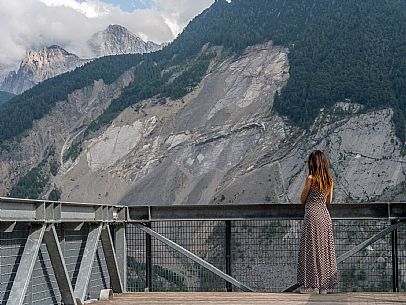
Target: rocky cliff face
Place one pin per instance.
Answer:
(116, 40)
(4, 71)
(222, 143)
(39, 66)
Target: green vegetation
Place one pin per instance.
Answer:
(337, 50)
(149, 82)
(72, 152)
(53, 167)
(33, 184)
(5, 96)
(164, 279)
(55, 195)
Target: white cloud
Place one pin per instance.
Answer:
(177, 13)
(90, 8)
(33, 24)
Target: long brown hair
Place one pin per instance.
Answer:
(319, 169)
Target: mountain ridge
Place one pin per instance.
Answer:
(37, 66)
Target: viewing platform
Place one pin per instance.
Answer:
(67, 253)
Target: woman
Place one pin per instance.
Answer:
(317, 267)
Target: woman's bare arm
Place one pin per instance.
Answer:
(305, 192)
(330, 194)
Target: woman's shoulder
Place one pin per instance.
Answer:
(309, 178)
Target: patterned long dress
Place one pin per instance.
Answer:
(317, 267)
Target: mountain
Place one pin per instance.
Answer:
(4, 70)
(54, 60)
(116, 40)
(228, 112)
(5, 96)
(39, 66)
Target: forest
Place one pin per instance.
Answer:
(5, 96)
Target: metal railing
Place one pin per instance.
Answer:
(257, 246)
(62, 252)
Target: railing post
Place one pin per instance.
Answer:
(395, 262)
(148, 260)
(228, 253)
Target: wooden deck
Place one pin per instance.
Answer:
(237, 298)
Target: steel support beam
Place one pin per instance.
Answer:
(143, 214)
(26, 265)
(58, 264)
(111, 260)
(7, 227)
(121, 253)
(28, 210)
(228, 253)
(395, 261)
(86, 264)
(358, 248)
(194, 257)
(148, 260)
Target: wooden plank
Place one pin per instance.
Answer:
(243, 298)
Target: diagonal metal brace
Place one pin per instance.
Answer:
(58, 264)
(194, 257)
(26, 265)
(111, 260)
(358, 248)
(87, 262)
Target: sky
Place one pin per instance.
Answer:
(33, 24)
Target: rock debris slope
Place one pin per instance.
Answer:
(189, 150)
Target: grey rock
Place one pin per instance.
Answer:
(39, 66)
(116, 39)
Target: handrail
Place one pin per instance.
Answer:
(46, 211)
(27, 210)
(262, 211)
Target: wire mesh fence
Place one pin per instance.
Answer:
(263, 255)
(402, 257)
(11, 249)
